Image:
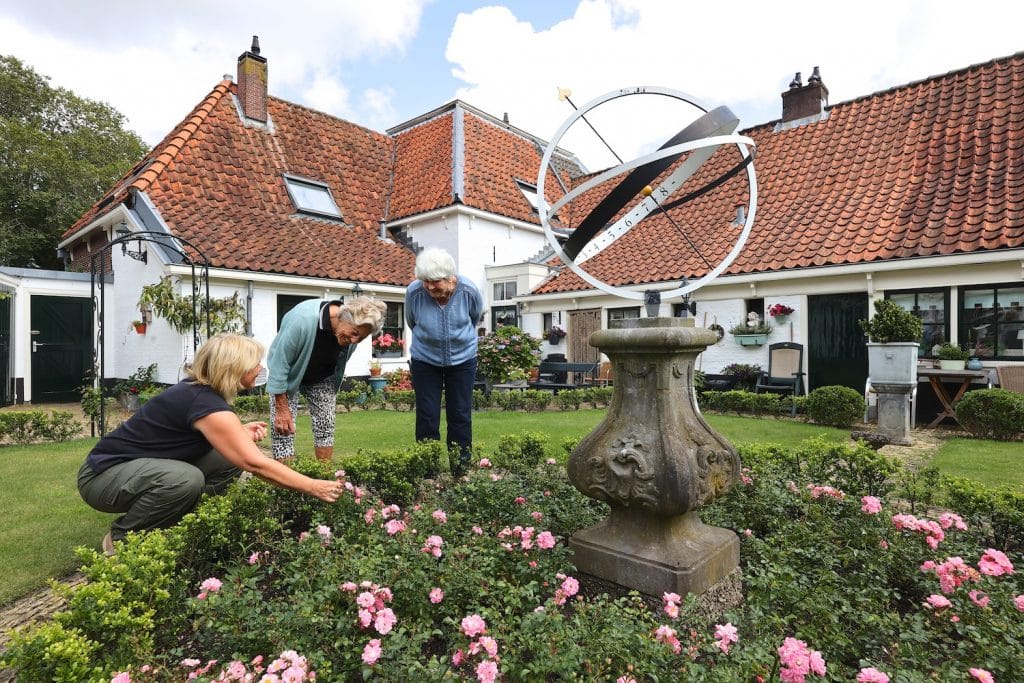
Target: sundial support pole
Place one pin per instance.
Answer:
(656, 462)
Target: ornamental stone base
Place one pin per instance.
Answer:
(655, 461)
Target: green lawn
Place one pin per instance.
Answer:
(42, 517)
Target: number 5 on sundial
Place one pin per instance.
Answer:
(699, 141)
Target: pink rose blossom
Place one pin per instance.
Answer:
(389, 511)
(457, 658)
(952, 520)
(484, 462)
(189, 663)
(870, 505)
(490, 645)
(995, 563)
(487, 671)
(439, 516)
(667, 635)
(550, 461)
(436, 595)
(384, 621)
(545, 540)
(394, 526)
(625, 679)
(519, 500)
(982, 675)
(937, 602)
(1018, 602)
(365, 618)
(537, 516)
(433, 546)
(474, 625)
(324, 532)
(725, 636)
(349, 587)
(477, 530)
(369, 515)
(872, 675)
(121, 677)
(978, 598)
(747, 533)
(211, 585)
(371, 653)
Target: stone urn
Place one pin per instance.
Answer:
(656, 462)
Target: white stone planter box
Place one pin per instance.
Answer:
(894, 363)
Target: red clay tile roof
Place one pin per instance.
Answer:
(935, 167)
(219, 185)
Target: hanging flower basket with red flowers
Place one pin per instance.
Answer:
(388, 345)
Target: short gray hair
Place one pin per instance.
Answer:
(364, 311)
(434, 264)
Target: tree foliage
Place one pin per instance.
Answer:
(58, 154)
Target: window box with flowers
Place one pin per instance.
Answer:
(388, 345)
(140, 381)
(751, 335)
(780, 312)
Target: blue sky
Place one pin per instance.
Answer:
(379, 63)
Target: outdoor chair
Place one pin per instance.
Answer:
(604, 376)
(1011, 377)
(785, 371)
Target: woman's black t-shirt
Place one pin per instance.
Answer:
(162, 428)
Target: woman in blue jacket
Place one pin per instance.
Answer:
(443, 310)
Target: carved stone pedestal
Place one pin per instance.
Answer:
(655, 461)
(894, 411)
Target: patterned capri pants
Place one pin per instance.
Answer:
(320, 399)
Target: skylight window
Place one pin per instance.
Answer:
(312, 197)
(530, 192)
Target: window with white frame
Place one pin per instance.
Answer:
(503, 316)
(504, 291)
(625, 313)
(931, 306)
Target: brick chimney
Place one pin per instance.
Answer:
(803, 101)
(252, 82)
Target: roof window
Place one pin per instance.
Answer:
(309, 196)
(530, 192)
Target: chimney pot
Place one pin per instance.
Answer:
(255, 49)
(804, 101)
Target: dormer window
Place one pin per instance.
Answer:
(530, 192)
(311, 197)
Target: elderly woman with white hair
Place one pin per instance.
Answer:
(443, 310)
(308, 357)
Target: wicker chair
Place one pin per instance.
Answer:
(1011, 377)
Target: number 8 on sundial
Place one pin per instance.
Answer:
(650, 186)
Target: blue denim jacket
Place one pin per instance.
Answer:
(443, 336)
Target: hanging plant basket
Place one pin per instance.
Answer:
(751, 339)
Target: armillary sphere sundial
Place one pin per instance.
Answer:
(654, 459)
(699, 140)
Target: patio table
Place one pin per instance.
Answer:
(939, 378)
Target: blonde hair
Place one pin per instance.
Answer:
(223, 361)
(434, 264)
(364, 311)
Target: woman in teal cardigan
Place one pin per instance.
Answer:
(308, 357)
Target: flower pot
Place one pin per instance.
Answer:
(892, 363)
(751, 339)
(140, 328)
(129, 400)
(377, 384)
(951, 364)
(974, 364)
(781, 319)
(374, 372)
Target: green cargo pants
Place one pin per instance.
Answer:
(153, 493)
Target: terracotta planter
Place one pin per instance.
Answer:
(140, 328)
(374, 372)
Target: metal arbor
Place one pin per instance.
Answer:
(187, 252)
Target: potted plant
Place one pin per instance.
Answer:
(894, 334)
(748, 334)
(555, 334)
(780, 312)
(951, 357)
(375, 368)
(140, 326)
(388, 345)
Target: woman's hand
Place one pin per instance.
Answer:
(327, 490)
(258, 430)
(283, 422)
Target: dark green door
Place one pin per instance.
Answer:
(6, 390)
(836, 353)
(61, 347)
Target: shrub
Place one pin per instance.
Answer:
(998, 512)
(736, 401)
(400, 399)
(252, 405)
(537, 400)
(892, 323)
(395, 475)
(569, 399)
(504, 351)
(482, 399)
(520, 452)
(835, 406)
(22, 426)
(745, 375)
(60, 425)
(948, 351)
(509, 400)
(137, 382)
(992, 413)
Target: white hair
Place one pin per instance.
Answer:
(434, 264)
